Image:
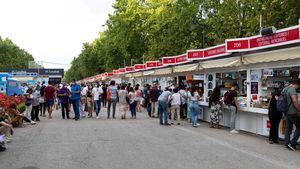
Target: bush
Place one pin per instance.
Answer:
(21, 107)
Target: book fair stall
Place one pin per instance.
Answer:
(259, 65)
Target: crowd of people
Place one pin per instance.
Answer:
(176, 104)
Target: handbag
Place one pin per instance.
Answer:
(108, 94)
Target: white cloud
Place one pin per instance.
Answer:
(53, 30)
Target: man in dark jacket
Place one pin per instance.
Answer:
(153, 95)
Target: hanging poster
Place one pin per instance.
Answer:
(254, 87)
(268, 72)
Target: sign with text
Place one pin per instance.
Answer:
(159, 64)
(194, 54)
(235, 45)
(139, 66)
(215, 51)
(129, 69)
(181, 58)
(115, 71)
(121, 70)
(151, 64)
(169, 60)
(276, 38)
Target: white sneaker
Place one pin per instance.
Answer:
(234, 132)
(197, 124)
(97, 117)
(33, 122)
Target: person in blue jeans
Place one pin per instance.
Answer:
(113, 98)
(194, 106)
(163, 100)
(75, 98)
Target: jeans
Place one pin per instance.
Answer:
(75, 104)
(43, 107)
(112, 102)
(35, 113)
(104, 100)
(175, 110)
(97, 104)
(194, 108)
(233, 115)
(290, 121)
(154, 109)
(132, 108)
(28, 111)
(65, 110)
(163, 111)
(183, 110)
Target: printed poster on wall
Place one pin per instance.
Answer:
(254, 87)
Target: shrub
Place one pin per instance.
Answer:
(21, 107)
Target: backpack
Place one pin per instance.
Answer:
(282, 102)
(227, 99)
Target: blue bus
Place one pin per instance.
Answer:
(9, 85)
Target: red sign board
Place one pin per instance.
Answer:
(194, 54)
(122, 70)
(215, 51)
(110, 74)
(139, 66)
(277, 38)
(181, 58)
(151, 64)
(159, 64)
(237, 44)
(169, 60)
(115, 71)
(129, 69)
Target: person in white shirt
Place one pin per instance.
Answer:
(84, 96)
(175, 106)
(97, 93)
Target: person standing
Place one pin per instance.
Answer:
(42, 102)
(123, 100)
(194, 105)
(28, 103)
(292, 116)
(49, 98)
(183, 106)
(175, 106)
(112, 98)
(83, 93)
(89, 101)
(163, 100)
(63, 95)
(215, 107)
(154, 94)
(132, 102)
(75, 98)
(35, 105)
(233, 108)
(104, 94)
(97, 93)
(139, 98)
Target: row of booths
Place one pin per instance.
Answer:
(260, 65)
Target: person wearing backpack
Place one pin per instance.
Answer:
(292, 114)
(274, 117)
(230, 99)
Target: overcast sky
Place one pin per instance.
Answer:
(53, 30)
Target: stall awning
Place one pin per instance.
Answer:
(185, 68)
(285, 54)
(137, 74)
(148, 73)
(163, 71)
(129, 75)
(220, 63)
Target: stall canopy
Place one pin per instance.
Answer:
(129, 75)
(148, 73)
(163, 71)
(292, 53)
(219, 63)
(137, 74)
(185, 68)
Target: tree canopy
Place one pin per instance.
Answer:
(12, 56)
(157, 28)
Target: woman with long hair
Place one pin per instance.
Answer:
(275, 117)
(194, 105)
(215, 105)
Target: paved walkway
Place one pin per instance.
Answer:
(139, 144)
